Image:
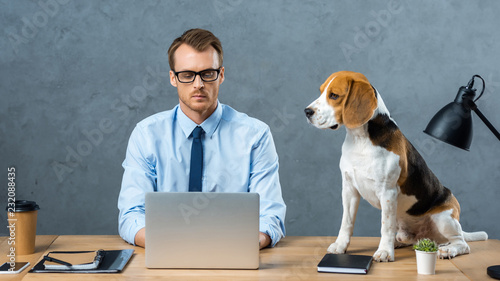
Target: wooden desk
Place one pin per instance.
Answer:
(294, 258)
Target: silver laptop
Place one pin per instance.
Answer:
(202, 230)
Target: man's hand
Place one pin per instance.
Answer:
(140, 237)
(264, 240)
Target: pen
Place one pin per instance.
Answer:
(47, 258)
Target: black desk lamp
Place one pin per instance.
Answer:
(453, 125)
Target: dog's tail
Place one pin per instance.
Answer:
(475, 236)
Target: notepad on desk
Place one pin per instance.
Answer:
(77, 260)
(110, 261)
(344, 263)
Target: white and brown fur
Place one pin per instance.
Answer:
(379, 164)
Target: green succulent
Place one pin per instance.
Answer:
(425, 245)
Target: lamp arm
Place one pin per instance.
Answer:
(473, 106)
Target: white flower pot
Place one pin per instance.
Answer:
(426, 262)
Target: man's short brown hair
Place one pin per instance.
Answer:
(197, 38)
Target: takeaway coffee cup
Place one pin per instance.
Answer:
(22, 226)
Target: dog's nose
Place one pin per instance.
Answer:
(309, 112)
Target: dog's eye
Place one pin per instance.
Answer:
(334, 96)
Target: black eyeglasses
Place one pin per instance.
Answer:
(207, 75)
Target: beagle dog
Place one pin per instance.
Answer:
(379, 164)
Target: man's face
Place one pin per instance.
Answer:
(198, 100)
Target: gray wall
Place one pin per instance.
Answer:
(76, 76)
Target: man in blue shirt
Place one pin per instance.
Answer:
(238, 151)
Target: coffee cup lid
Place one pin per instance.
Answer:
(24, 206)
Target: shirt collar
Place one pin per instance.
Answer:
(209, 125)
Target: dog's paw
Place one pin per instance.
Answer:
(383, 255)
(337, 248)
(452, 250)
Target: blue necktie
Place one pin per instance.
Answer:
(196, 161)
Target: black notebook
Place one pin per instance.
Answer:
(345, 263)
(113, 261)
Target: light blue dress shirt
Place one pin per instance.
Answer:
(238, 156)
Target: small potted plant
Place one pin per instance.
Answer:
(426, 252)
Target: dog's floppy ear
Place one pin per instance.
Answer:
(360, 103)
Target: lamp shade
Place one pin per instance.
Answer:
(453, 123)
